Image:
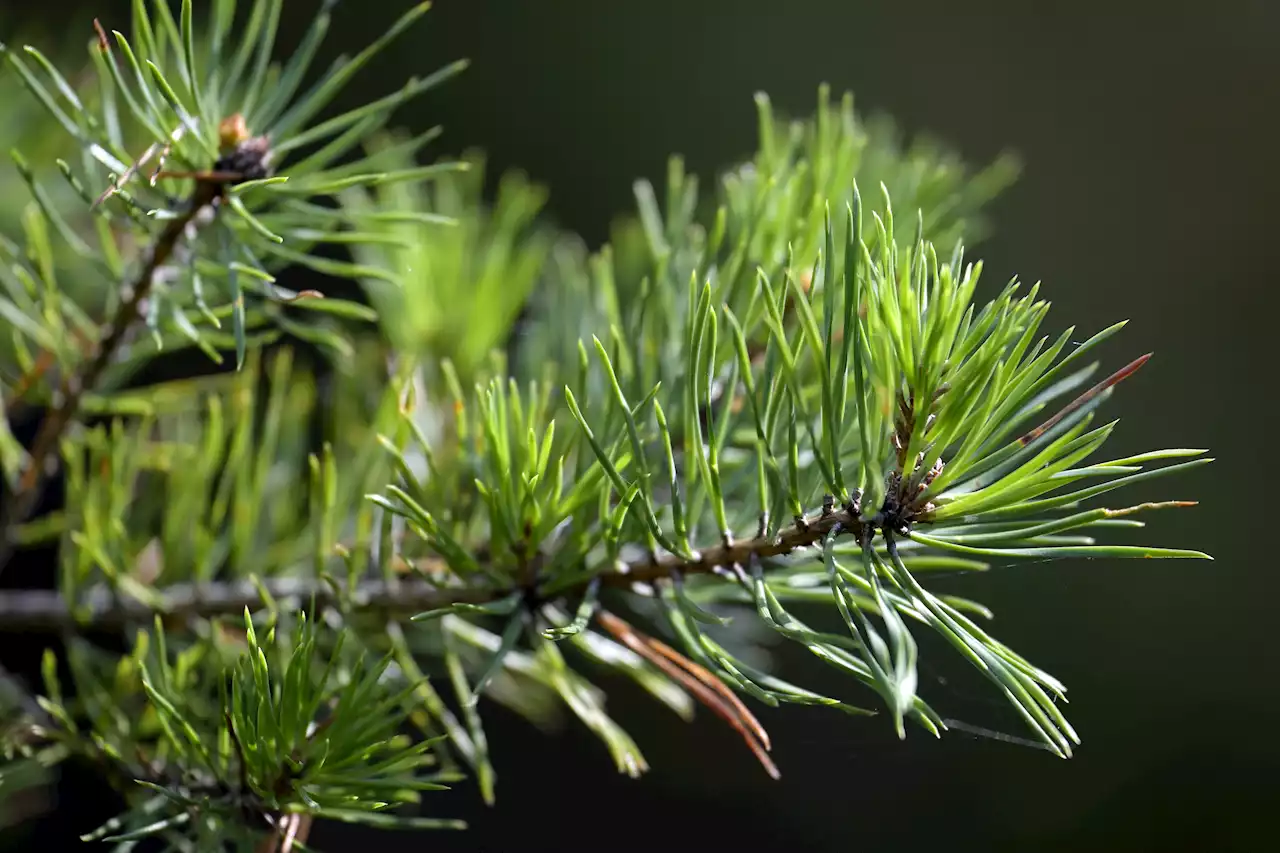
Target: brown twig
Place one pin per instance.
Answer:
(244, 158)
(27, 381)
(39, 367)
(805, 532)
(74, 385)
(104, 608)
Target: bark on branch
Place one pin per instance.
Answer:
(104, 608)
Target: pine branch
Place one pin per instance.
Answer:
(719, 373)
(74, 385)
(101, 607)
(237, 176)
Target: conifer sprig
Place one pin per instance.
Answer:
(770, 409)
(223, 195)
(939, 433)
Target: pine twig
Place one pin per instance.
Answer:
(76, 384)
(104, 608)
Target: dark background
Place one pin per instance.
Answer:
(1148, 135)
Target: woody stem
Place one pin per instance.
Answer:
(75, 384)
(102, 607)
